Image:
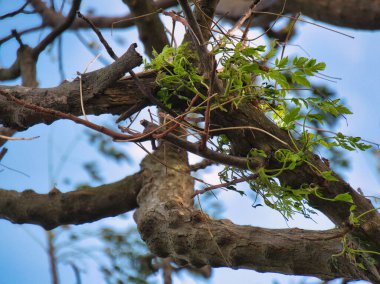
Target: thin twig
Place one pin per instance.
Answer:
(242, 20)
(239, 162)
(3, 151)
(252, 128)
(58, 30)
(32, 29)
(208, 108)
(18, 11)
(201, 165)
(110, 51)
(100, 36)
(17, 138)
(134, 18)
(304, 21)
(226, 184)
(101, 129)
(292, 25)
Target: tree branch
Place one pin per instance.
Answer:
(53, 19)
(151, 30)
(354, 14)
(170, 226)
(97, 97)
(76, 207)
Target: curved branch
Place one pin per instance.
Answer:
(59, 29)
(76, 207)
(170, 226)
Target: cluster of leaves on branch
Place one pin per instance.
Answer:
(275, 85)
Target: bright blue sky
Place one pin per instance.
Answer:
(22, 260)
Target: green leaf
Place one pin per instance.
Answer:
(251, 68)
(320, 66)
(300, 79)
(345, 197)
(282, 63)
(292, 115)
(328, 176)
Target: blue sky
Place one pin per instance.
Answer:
(23, 259)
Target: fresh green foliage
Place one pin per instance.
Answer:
(253, 74)
(177, 73)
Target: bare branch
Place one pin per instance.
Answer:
(76, 207)
(14, 13)
(239, 162)
(201, 165)
(66, 96)
(58, 30)
(151, 30)
(53, 19)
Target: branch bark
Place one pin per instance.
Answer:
(98, 94)
(77, 207)
(363, 14)
(170, 226)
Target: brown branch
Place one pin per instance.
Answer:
(110, 51)
(171, 227)
(75, 207)
(89, 124)
(14, 13)
(119, 96)
(201, 165)
(6, 132)
(53, 19)
(242, 163)
(151, 30)
(58, 30)
(225, 184)
(3, 151)
(100, 36)
(29, 30)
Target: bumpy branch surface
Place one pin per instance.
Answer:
(76, 207)
(242, 142)
(364, 14)
(170, 226)
(98, 94)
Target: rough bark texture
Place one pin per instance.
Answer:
(163, 190)
(98, 96)
(77, 207)
(364, 14)
(171, 226)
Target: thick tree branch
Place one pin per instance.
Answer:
(170, 226)
(98, 96)
(364, 14)
(243, 142)
(354, 14)
(75, 207)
